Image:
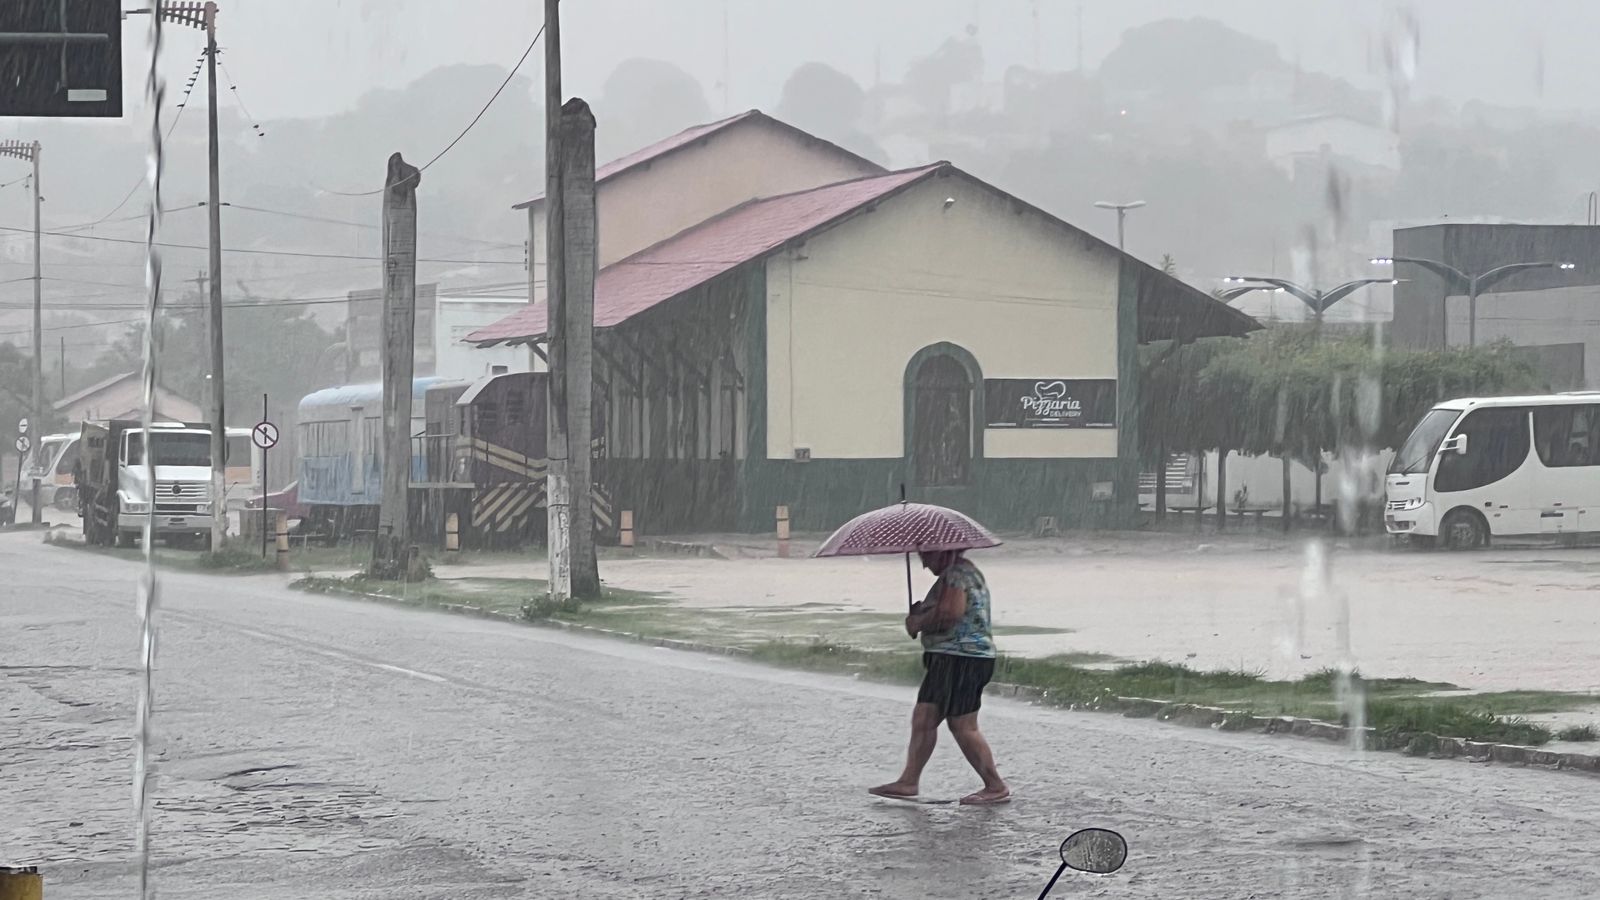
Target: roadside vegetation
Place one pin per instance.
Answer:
(1395, 707)
(523, 597)
(824, 637)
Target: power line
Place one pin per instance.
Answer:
(367, 225)
(304, 253)
(188, 89)
(465, 290)
(475, 119)
(234, 89)
(72, 230)
(75, 325)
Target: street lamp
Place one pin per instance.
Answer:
(1122, 213)
(1318, 300)
(1472, 284)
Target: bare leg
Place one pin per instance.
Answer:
(924, 736)
(973, 746)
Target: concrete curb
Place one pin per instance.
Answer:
(1432, 746)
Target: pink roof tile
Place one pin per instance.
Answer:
(700, 253)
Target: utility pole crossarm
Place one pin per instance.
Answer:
(188, 13)
(22, 150)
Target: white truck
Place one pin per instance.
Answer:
(114, 493)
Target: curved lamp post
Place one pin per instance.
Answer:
(1319, 301)
(1122, 213)
(1471, 284)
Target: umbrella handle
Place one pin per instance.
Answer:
(909, 602)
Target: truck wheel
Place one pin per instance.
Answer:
(127, 538)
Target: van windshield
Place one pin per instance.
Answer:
(182, 449)
(1416, 454)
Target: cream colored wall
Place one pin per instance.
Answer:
(646, 205)
(848, 311)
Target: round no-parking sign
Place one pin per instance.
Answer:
(264, 435)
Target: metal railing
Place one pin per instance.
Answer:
(440, 459)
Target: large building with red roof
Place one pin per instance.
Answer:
(830, 334)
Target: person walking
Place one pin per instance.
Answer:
(958, 660)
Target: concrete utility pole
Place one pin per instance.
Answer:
(219, 409)
(391, 545)
(38, 337)
(578, 273)
(558, 485)
(29, 152)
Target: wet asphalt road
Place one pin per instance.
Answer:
(314, 747)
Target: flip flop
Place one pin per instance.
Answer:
(879, 792)
(979, 800)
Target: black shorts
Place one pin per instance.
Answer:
(954, 683)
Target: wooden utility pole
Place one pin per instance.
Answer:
(581, 227)
(391, 545)
(219, 418)
(558, 484)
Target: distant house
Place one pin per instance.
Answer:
(122, 397)
(363, 330)
(1313, 141)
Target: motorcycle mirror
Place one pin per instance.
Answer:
(1094, 850)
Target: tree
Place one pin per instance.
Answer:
(643, 101)
(828, 103)
(1284, 394)
(1183, 57)
(957, 61)
(270, 348)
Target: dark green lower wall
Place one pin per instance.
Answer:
(675, 496)
(1004, 494)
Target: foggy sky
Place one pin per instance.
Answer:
(311, 57)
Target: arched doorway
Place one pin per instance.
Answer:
(941, 445)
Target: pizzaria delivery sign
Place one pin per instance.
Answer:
(1050, 402)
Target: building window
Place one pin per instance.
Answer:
(941, 417)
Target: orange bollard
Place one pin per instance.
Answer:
(783, 532)
(21, 883)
